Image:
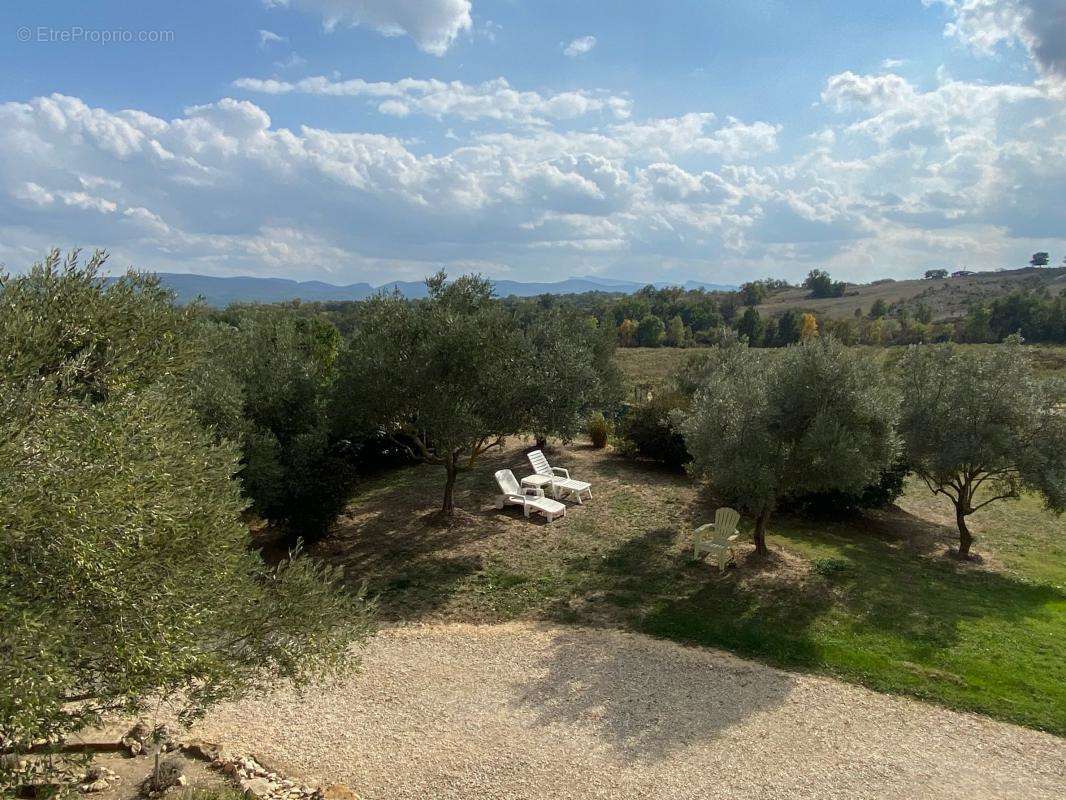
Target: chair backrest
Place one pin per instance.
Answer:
(725, 522)
(540, 463)
(505, 479)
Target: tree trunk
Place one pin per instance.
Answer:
(965, 539)
(449, 487)
(760, 533)
(541, 440)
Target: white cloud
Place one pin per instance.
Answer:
(432, 24)
(670, 183)
(694, 134)
(291, 61)
(901, 177)
(1038, 25)
(495, 99)
(31, 192)
(88, 202)
(847, 89)
(579, 46)
(267, 38)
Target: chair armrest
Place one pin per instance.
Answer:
(565, 472)
(708, 527)
(734, 538)
(533, 491)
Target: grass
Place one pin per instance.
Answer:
(871, 599)
(947, 298)
(646, 367)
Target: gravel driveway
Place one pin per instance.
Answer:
(534, 711)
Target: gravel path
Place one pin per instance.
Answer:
(533, 711)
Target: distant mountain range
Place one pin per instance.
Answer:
(223, 291)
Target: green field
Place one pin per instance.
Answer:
(651, 366)
(871, 599)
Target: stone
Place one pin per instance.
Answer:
(98, 779)
(258, 788)
(336, 791)
(202, 749)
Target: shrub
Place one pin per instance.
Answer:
(881, 494)
(599, 430)
(652, 431)
(829, 566)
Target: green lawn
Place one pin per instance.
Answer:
(871, 599)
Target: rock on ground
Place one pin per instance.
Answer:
(533, 711)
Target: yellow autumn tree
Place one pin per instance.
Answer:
(627, 333)
(808, 326)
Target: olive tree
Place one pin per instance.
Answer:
(126, 572)
(980, 427)
(443, 377)
(768, 427)
(293, 469)
(569, 370)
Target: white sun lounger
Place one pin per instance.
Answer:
(559, 479)
(531, 499)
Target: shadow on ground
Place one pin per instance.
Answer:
(644, 701)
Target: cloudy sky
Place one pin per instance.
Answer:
(350, 140)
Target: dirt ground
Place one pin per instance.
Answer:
(533, 711)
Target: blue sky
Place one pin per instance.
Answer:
(350, 140)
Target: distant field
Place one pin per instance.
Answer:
(947, 298)
(645, 367)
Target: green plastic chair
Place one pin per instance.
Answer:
(719, 537)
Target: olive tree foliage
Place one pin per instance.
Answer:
(980, 427)
(443, 377)
(568, 370)
(293, 468)
(764, 428)
(125, 570)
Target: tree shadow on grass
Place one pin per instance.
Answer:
(925, 601)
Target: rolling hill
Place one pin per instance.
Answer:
(223, 291)
(948, 298)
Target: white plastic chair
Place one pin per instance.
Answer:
(719, 537)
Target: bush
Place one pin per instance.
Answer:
(651, 431)
(876, 495)
(827, 567)
(599, 430)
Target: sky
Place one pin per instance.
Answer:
(534, 140)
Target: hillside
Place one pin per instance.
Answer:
(947, 298)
